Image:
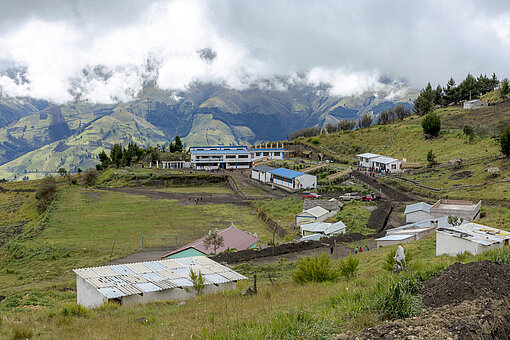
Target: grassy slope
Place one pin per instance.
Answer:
(86, 222)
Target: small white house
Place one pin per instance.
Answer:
(471, 237)
(412, 232)
(315, 214)
(417, 212)
(322, 228)
(385, 163)
(365, 158)
(474, 104)
(261, 173)
(142, 282)
(292, 180)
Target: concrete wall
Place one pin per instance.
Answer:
(417, 216)
(470, 215)
(260, 176)
(451, 245)
(307, 181)
(87, 295)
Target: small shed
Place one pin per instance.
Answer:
(471, 237)
(142, 282)
(261, 173)
(315, 214)
(474, 104)
(411, 232)
(417, 212)
(365, 158)
(233, 238)
(462, 209)
(325, 229)
(292, 180)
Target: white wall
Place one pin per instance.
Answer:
(385, 243)
(87, 295)
(417, 216)
(451, 245)
(307, 181)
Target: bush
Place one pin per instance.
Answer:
(504, 141)
(431, 158)
(45, 193)
(349, 267)
(399, 300)
(89, 177)
(75, 310)
(22, 333)
(315, 268)
(198, 280)
(431, 124)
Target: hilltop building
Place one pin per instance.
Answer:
(220, 157)
(474, 104)
(233, 238)
(379, 163)
(462, 209)
(261, 173)
(267, 152)
(417, 212)
(142, 282)
(471, 237)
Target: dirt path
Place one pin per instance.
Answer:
(183, 198)
(249, 185)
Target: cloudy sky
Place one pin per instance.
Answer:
(106, 50)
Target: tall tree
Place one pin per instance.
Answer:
(504, 141)
(431, 124)
(178, 144)
(213, 239)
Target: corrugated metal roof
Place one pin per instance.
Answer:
(368, 155)
(420, 206)
(220, 152)
(477, 233)
(394, 237)
(232, 238)
(136, 278)
(263, 168)
(317, 211)
(287, 173)
(384, 160)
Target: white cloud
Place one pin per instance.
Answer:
(345, 45)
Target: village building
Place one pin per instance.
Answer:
(267, 152)
(474, 104)
(261, 173)
(322, 229)
(364, 159)
(143, 282)
(220, 157)
(332, 205)
(384, 163)
(172, 164)
(466, 210)
(315, 214)
(233, 238)
(469, 237)
(417, 212)
(411, 232)
(292, 180)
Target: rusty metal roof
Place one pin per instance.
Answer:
(136, 278)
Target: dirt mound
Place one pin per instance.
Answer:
(468, 281)
(484, 318)
(379, 217)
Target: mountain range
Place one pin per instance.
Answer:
(37, 137)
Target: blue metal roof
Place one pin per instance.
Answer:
(254, 150)
(421, 206)
(287, 173)
(193, 148)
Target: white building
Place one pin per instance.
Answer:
(261, 173)
(267, 153)
(150, 281)
(411, 232)
(315, 214)
(471, 237)
(474, 104)
(172, 164)
(384, 163)
(365, 158)
(323, 229)
(293, 180)
(417, 212)
(220, 157)
(462, 209)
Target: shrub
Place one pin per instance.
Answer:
(431, 124)
(399, 300)
(501, 255)
(45, 193)
(315, 268)
(431, 158)
(504, 141)
(22, 333)
(89, 177)
(349, 267)
(198, 280)
(75, 310)
(462, 257)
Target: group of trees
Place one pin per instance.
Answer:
(120, 156)
(393, 113)
(469, 88)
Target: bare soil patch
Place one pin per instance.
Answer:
(468, 281)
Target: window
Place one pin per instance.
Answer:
(266, 153)
(393, 166)
(243, 156)
(230, 156)
(257, 154)
(277, 154)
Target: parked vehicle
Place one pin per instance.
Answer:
(349, 196)
(311, 195)
(370, 198)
